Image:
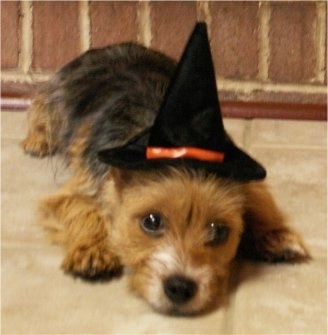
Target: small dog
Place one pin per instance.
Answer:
(178, 228)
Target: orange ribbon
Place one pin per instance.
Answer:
(184, 152)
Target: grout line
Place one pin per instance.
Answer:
(284, 146)
(229, 313)
(25, 77)
(29, 246)
(204, 13)
(247, 134)
(320, 41)
(144, 24)
(263, 36)
(84, 21)
(26, 49)
(223, 84)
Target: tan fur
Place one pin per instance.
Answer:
(189, 203)
(99, 223)
(42, 129)
(267, 233)
(36, 142)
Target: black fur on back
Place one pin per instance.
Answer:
(117, 90)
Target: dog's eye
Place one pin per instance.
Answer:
(218, 233)
(152, 224)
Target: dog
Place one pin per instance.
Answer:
(177, 228)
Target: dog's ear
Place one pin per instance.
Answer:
(266, 236)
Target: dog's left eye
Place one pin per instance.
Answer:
(152, 224)
(218, 233)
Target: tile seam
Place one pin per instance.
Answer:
(288, 146)
(19, 245)
(247, 133)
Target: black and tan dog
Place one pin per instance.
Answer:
(157, 185)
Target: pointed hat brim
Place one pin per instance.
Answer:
(237, 164)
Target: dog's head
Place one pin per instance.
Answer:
(178, 231)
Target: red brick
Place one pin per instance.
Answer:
(9, 34)
(171, 24)
(113, 22)
(292, 42)
(56, 38)
(234, 39)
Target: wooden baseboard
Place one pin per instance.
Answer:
(270, 110)
(20, 101)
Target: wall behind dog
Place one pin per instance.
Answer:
(263, 51)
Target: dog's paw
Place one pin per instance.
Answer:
(282, 246)
(92, 262)
(36, 145)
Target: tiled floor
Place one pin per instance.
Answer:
(37, 298)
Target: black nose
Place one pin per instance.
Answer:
(179, 289)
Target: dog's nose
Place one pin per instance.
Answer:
(179, 289)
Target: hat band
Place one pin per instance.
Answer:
(184, 152)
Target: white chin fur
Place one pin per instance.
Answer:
(167, 262)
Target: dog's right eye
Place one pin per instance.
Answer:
(152, 224)
(218, 233)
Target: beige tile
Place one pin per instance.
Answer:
(37, 298)
(13, 124)
(297, 179)
(288, 132)
(303, 166)
(306, 211)
(24, 181)
(236, 129)
(281, 299)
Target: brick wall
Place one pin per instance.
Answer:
(263, 51)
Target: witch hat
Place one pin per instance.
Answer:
(188, 129)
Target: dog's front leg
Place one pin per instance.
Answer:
(266, 236)
(75, 221)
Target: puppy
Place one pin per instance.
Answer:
(178, 228)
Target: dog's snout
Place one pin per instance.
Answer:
(179, 289)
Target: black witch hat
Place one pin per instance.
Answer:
(188, 129)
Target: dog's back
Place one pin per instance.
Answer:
(103, 98)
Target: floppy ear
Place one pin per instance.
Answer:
(266, 236)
